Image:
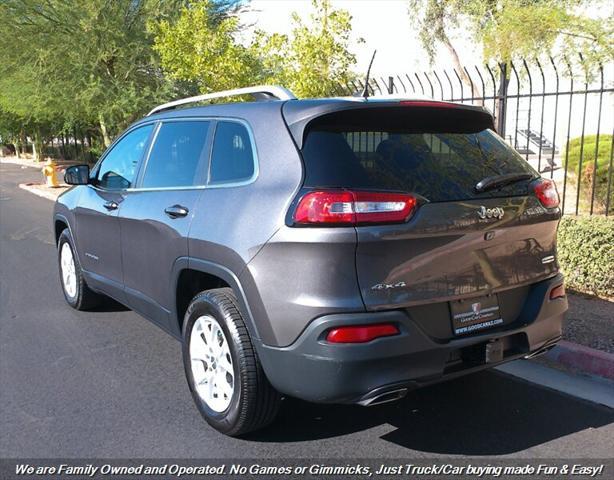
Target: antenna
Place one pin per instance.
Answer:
(365, 92)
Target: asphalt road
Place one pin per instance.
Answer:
(110, 384)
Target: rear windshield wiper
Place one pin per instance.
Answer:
(496, 181)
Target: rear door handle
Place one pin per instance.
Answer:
(176, 211)
(110, 205)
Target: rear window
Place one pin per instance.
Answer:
(176, 156)
(441, 159)
(232, 159)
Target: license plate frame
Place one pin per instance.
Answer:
(475, 314)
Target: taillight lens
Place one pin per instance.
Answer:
(361, 333)
(344, 207)
(545, 191)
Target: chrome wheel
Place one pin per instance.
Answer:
(69, 276)
(211, 363)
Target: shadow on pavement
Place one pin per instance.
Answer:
(110, 305)
(488, 413)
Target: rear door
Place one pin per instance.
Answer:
(459, 242)
(155, 217)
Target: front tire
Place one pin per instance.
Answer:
(76, 292)
(223, 372)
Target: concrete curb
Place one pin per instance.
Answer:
(584, 359)
(32, 188)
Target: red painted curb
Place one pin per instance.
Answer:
(585, 359)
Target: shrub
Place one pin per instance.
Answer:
(588, 168)
(586, 254)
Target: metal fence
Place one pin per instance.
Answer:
(558, 117)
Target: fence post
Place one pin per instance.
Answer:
(502, 97)
(390, 85)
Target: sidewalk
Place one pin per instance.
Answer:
(42, 190)
(37, 188)
(25, 162)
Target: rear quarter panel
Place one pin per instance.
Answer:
(234, 223)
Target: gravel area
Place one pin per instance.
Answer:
(590, 322)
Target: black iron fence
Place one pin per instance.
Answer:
(560, 118)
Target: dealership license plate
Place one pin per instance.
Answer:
(475, 314)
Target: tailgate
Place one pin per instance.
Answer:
(484, 223)
(447, 251)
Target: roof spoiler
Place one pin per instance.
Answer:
(266, 92)
(299, 115)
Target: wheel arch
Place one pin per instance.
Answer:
(60, 223)
(191, 276)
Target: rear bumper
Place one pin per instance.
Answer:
(315, 370)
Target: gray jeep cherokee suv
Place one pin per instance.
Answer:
(334, 250)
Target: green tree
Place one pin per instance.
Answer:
(509, 29)
(10, 130)
(200, 47)
(82, 62)
(315, 58)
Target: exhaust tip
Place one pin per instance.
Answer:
(538, 353)
(385, 397)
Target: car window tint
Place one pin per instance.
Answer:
(118, 167)
(435, 158)
(177, 152)
(232, 159)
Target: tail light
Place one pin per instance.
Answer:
(557, 292)
(429, 103)
(345, 207)
(361, 333)
(545, 191)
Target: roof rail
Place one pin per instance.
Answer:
(266, 91)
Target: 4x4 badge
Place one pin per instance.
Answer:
(388, 286)
(496, 212)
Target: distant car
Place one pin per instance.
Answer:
(334, 250)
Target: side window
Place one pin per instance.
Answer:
(178, 151)
(232, 159)
(118, 168)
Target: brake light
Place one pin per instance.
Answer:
(344, 207)
(361, 333)
(557, 292)
(545, 191)
(428, 103)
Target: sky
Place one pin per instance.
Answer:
(385, 25)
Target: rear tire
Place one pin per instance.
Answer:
(76, 292)
(222, 368)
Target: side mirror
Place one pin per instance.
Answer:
(77, 175)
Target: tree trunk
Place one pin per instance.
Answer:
(63, 141)
(103, 129)
(23, 143)
(477, 92)
(37, 147)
